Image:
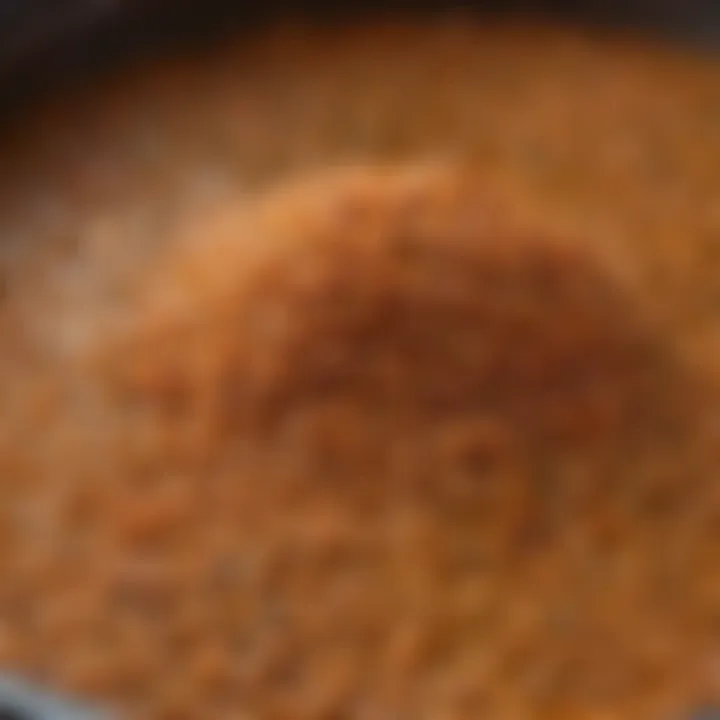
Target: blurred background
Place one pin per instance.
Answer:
(42, 38)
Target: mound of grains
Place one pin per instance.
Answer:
(388, 441)
(411, 296)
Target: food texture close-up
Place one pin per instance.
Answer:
(359, 363)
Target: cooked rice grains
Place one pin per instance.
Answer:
(382, 442)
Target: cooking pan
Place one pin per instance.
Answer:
(45, 44)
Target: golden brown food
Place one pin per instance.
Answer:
(398, 295)
(382, 443)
